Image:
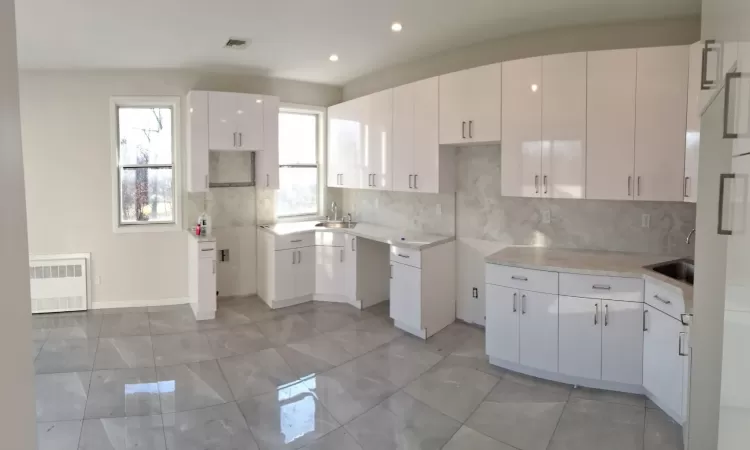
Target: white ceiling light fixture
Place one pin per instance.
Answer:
(396, 27)
(333, 58)
(534, 87)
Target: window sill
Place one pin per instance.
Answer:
(147, 228)
(292, 219)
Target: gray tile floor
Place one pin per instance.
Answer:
(315, 376)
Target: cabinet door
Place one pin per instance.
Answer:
(622, 342)
(379, 144)
(207, 282)
(340, 129)
(501, 323)
(580, 343)
(350, 267)
(329, 270)
(222, 120)
(485, 103)
(426, 146)
(538, 330)
(304, 276)
(522, 128)
(197, 155)
(660, 122)
(564, 125)
(404, 118)
(662, 363)
(285, 274)
(406, 295)
(354, 155)
(693, 132)
(250, 113)
(610, 129)
(455, 90)
(267, 161)
(739, 91)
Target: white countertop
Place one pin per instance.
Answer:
(386, 235)
(592, 262)
(209, 238)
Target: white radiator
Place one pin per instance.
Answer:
(59, 283)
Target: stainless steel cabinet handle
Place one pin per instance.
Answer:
(523, 303)
(536, 183)
(404, 256)
(296, 240)
(727, 103)
(515, 296)
(663, 300)
(294, 258)
(471, 125)
(706, 84)
(415, 182)
(638, 185)
(596, 315)
(240, 139)
(630, 182)
(463, 130)
(645, 320)
(207, 250)
(235, 139)
(545, 183)
(519, 278)
(342, 255)
(601, 287)
(299, 257)
(606, 315)
(685, 187)
(410, 181)
(722, 182)
(353, 240)
(679, 344)
(268, 180)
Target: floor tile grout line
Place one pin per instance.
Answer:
(156, 376)
(567, 402)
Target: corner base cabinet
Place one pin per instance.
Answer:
(202, 277)
(423, 289)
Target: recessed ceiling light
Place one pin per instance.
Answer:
(258, 101)
(334, 57)
(534, 87)
(396, 27)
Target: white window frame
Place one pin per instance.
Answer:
(320, 112)
(172, 102)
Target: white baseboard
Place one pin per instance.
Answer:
(141, 303)
(331, 298)
(567, 379)
(276, 304)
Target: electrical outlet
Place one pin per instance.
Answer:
(546, 216)
(439, 209)
(646, 221)
(224, 255)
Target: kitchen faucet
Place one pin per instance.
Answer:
(692, 232)
(335, 208)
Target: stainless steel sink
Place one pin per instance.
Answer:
(681, 270)
(336, 224)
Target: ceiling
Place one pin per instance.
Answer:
(291, 38)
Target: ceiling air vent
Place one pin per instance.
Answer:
(236, 44)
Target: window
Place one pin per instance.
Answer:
(145, 157)
(300, 137)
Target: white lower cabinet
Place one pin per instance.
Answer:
(295, 273)
(406, 295)
(202, 277)
(330, 270)
(664, 360)
(350, 268)
(502, 323)
(622, 342)
(580, 344)
(538, 330)
(304, 276)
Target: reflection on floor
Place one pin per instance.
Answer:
(314, 376)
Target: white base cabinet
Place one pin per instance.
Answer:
(286, 268)
(580, 344)
(501, 333)
(423, 289)
(202, 277)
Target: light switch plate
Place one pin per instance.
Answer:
(646, 221)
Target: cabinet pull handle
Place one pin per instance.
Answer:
(294, 258)
(296, 240)
(415, 182)
(705, 83)
(638, 185)
(463, 130)
(685, 318)
(268, 180)
(685, 188)
(663, 300)
(515, 296)
(471, 126)
(727, 94)
(391, 271)
(342, 255)
(606, 315)
(544, 180)
(353, 239)
(679, 344)
(536, 183)
(234, 139)
(404, 256)
(240, 139)
(596, 315)
(410, 181)
(519, 278)
(645, 320)
(299, 257)
(630, 182)
(602, 287)
(523, 303)
(207, 249)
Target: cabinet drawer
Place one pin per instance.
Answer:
(595, 286)
(526, 279)
(295, 241)
(207, 250)
(407, 256)
(330, 239)
(664, 299)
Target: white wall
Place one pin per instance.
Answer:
(17, 423)
(650, 33)
(66, 131)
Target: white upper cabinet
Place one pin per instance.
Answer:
(418, 163)
(197, 141)
(235, 121)
(738, 119)
(693, 130)
(267, 161)
(521, 152)
(471, 105)
(346, 132)
(661, 112)
(610, 124)
(563, 91)
(379, 141)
